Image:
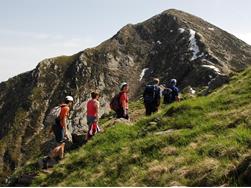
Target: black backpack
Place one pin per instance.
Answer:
(167, 94)
(115, 103)
(149, 93)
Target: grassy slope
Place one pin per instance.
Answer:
(195, 142)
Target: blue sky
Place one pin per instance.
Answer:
(32, 30)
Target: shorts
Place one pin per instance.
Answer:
(90, 121)
(59, 133)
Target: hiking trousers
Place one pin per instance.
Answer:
(150, 108)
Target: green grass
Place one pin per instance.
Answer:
(196, 142)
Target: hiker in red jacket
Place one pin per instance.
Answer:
(123, 99)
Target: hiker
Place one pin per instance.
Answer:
(122, 111)
(151, 97)
(59, 130)
(92, 115)
(171, 92)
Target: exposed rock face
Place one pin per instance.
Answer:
(171, 44)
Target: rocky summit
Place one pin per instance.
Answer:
(173, 44)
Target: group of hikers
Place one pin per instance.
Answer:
(152, 95)
(119, 103)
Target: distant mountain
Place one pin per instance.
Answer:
(173, 44)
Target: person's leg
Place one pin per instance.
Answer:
(148, 109)
(155, 108)
(61, 151)
(87, 136)
(58, 151)
(55, 151)
(90, 121)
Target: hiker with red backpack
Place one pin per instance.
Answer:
(119, 102)
(59, 115)
(151, 97)
(93, 115)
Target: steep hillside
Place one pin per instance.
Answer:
(171, 44)
(24, 102)
(198, 142)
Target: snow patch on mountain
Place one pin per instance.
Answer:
(212, 67)
(143, 73)
(193, 45)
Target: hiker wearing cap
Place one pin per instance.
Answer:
(59, 130)
(151, 97)
(92, 115)
(122, 112)
(171, 92)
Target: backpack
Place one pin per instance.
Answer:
(115, 103)
(52, 116)
(149, 93)
(167, 93)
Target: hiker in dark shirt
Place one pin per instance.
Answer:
(171, 92)
(151, 97)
